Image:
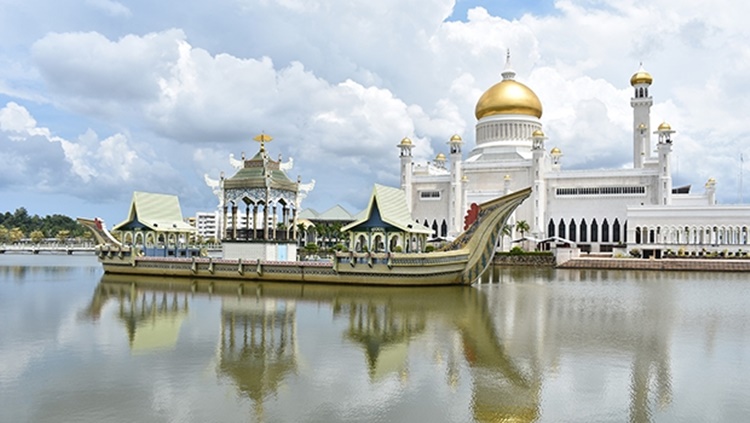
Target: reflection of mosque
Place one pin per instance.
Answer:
(455, 323)
(505, 340)
(584, 319)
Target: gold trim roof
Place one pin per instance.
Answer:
(391, 203)
(155, 212)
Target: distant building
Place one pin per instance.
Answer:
(207, 225)
(324, 228)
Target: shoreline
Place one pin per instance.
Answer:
(705, 265)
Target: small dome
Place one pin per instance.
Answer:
(508, 97)
(456, 137)
(641, 77)
(538, 133)
(556, 151)
(507, 177)
(405, 141)
(665, 127)
(440, 157)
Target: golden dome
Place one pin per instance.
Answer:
(556, 151)
(456, 137)
(405, 141)
(508, 97)
(665, 127)
(440, 157)
(537, 133)
(641, 77)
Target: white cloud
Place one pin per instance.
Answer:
(110, 7)
(339, 84)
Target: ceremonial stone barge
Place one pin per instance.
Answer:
(460, 262)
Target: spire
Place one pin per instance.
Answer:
(508, 72)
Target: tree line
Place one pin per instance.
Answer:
(19, 225)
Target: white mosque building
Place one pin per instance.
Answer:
(595, 210)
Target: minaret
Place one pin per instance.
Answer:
(405, 146)
(456, 210)
(664, 146)
(539, 191)
(711, 191)
(555, 155)
(641, 103)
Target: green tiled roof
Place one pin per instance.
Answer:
(252, 175)
(309, 214)
(156, 212)
(391, 203)
(335, 213)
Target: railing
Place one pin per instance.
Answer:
(53, 248)
(257, 235)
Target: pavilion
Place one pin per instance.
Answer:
(154, 220)
(386, 224)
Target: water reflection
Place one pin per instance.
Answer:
(257, 348)
(504, 342)
(580, 314)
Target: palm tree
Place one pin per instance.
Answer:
(301, 233)
(523, 227)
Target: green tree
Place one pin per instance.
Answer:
(36, 236)
(62, 236)
(301, 232)
(523, 227)
(15, 234)
(4, 234)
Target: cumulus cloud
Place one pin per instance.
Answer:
(338, 84)
(86, 167)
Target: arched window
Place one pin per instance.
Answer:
(551, 229)
(377, 244)
(561, 228)
(444, 229)
(637, 235)
(594, 231)
(616, 231)
(393, 243)
(434, 228)
(572, 230)
(605, 230)
(583, 231)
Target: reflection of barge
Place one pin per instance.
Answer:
(460, 262)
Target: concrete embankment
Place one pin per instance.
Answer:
(707, 265)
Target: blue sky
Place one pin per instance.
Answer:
(102, 98)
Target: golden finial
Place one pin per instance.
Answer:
(263, 139)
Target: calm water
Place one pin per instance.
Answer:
(536, 345)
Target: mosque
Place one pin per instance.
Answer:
(597, 210)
